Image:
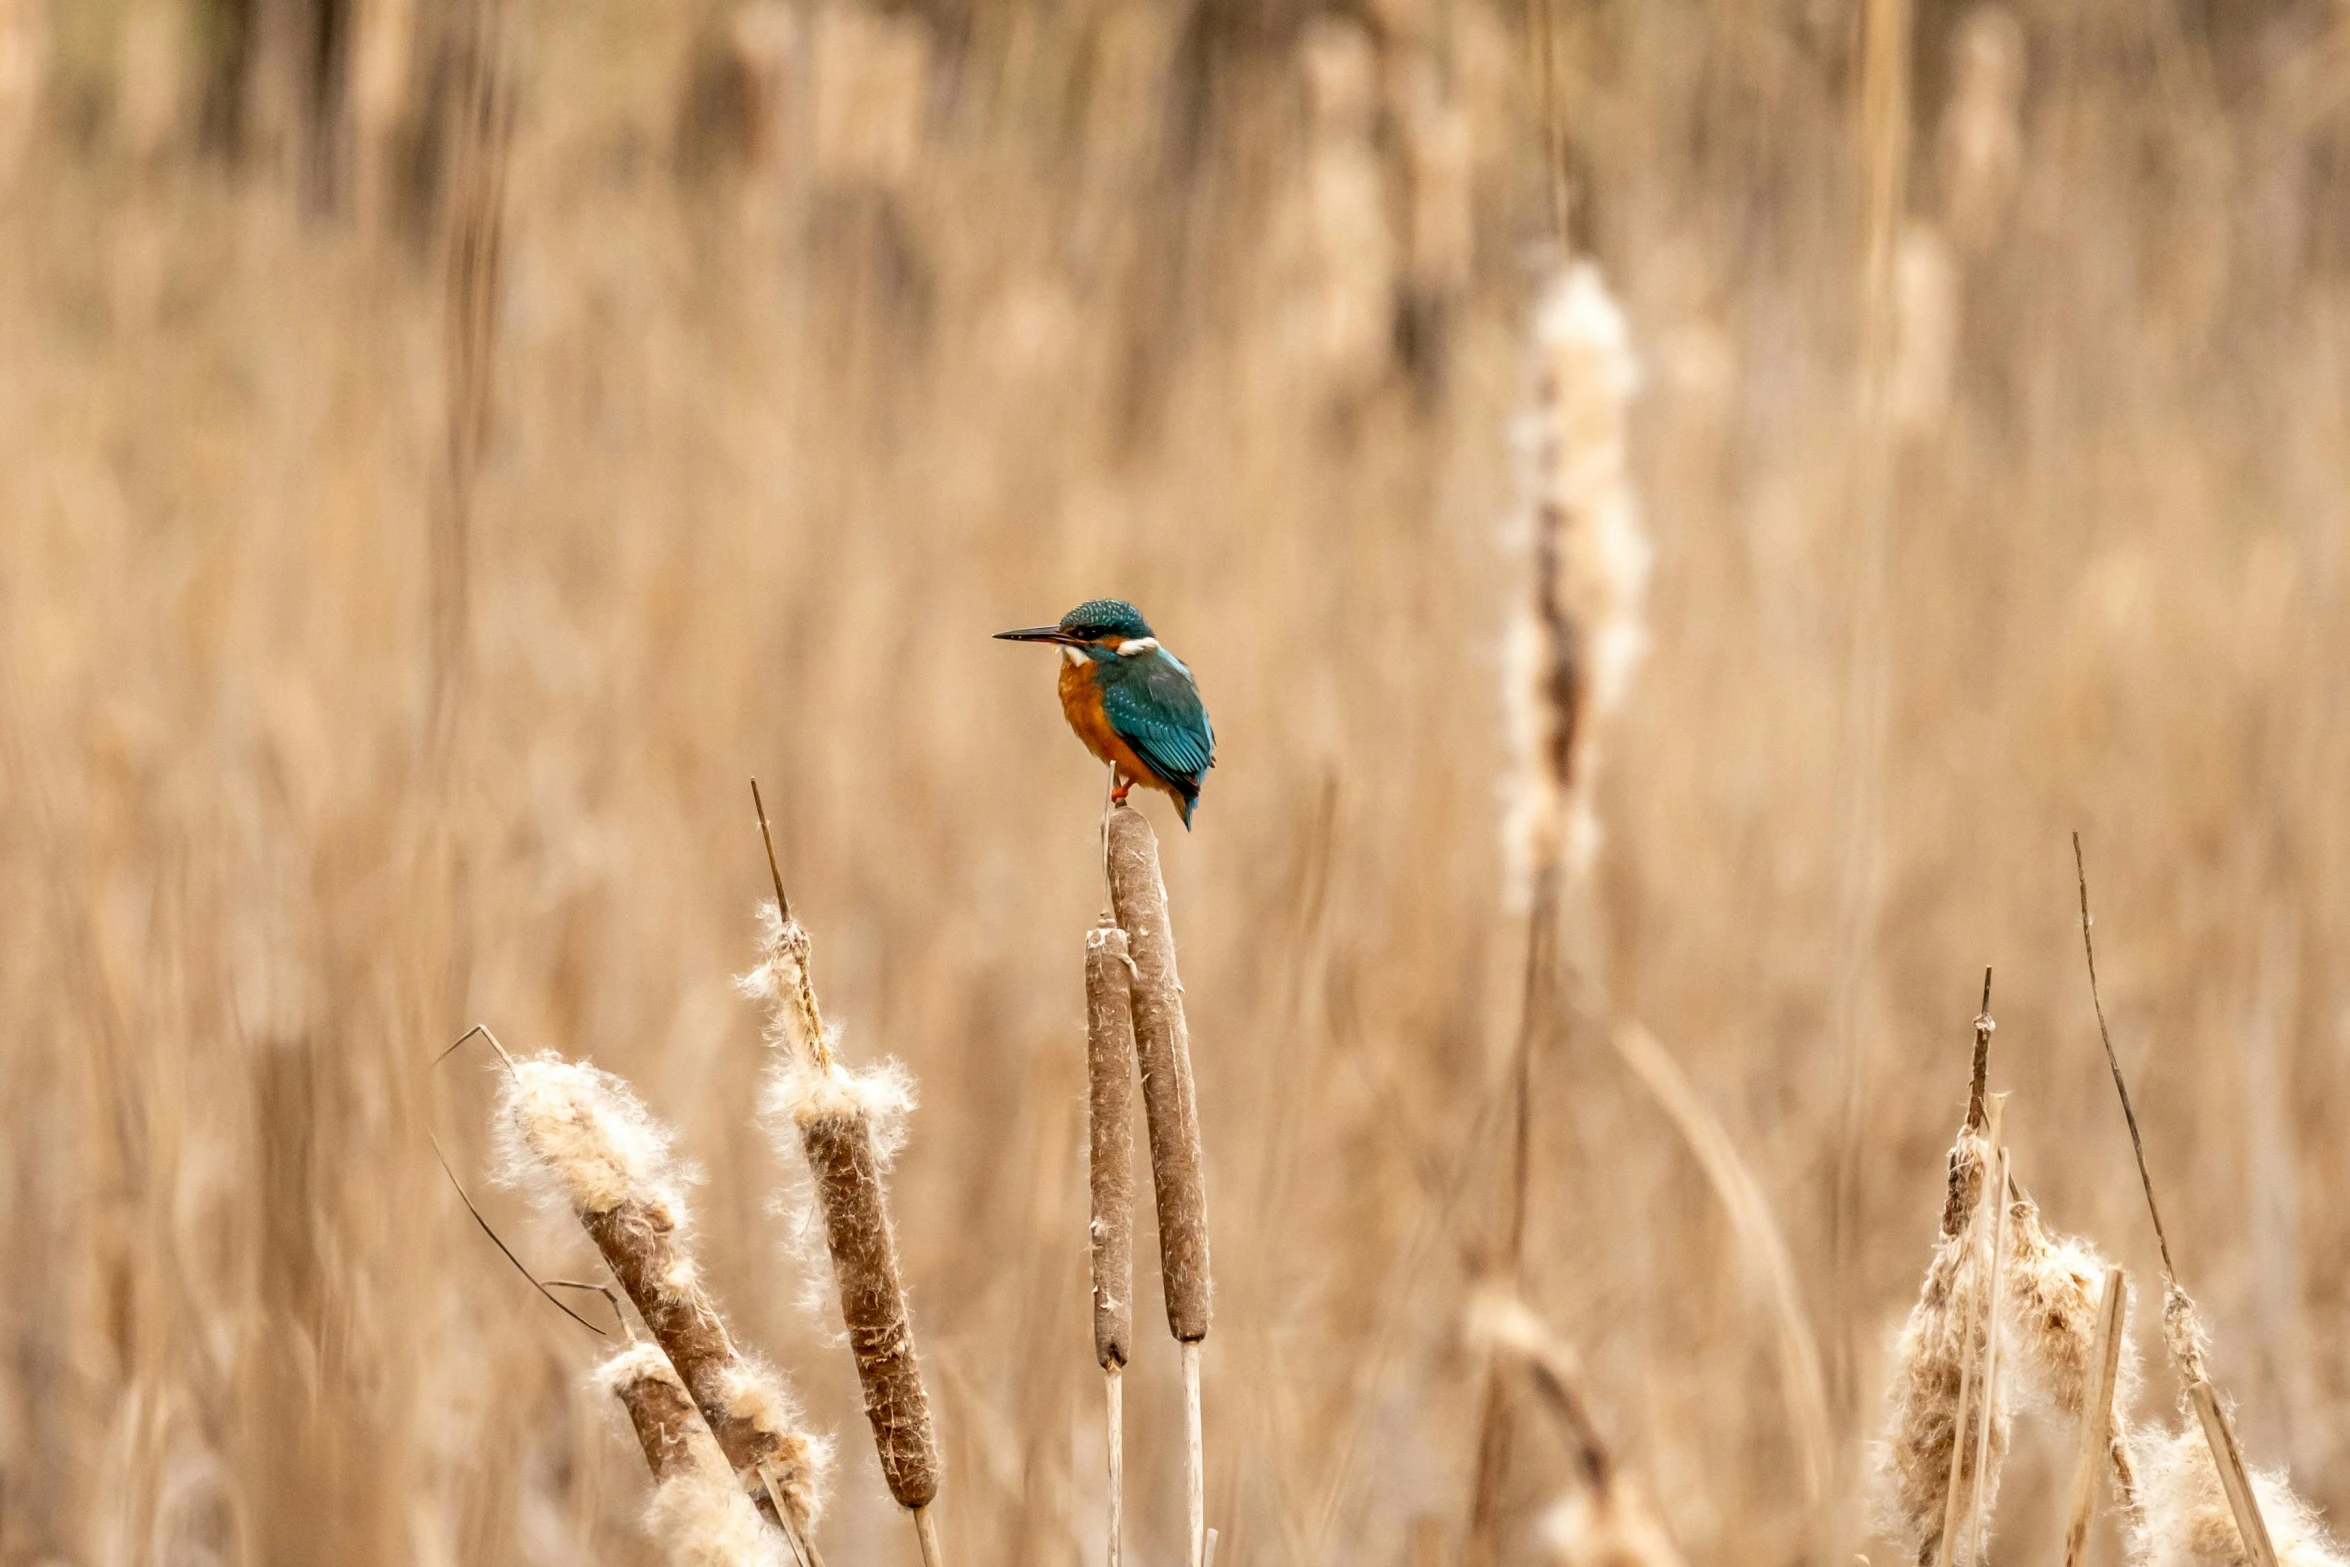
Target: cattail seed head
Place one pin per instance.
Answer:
(1138, 894)
(1109, 1055)
(1572, 646)
(846, 1126)
(582, 1137)
(1931, 1356)
(2186, 1520)
(698, 1515)
(2055, 1304)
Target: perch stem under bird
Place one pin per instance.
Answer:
(1162, 1040)
(1132, 702)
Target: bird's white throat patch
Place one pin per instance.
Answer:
(1135, 645)
(1075, 655)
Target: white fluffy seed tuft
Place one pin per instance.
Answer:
(2187, 1522)
(579, 1135)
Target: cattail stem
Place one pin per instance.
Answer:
(2096, 1417)
(1194, 1456)
(1114, 1420)
(926, 1536)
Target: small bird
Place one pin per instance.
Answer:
(1130, 700)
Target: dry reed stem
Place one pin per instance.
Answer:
(2096, 1416)
(585, 1134)
(1162, 1040)
(1109, 1032)
(2183, 1332)
(1759, 1238)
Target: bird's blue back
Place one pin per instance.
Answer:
(1153, 705)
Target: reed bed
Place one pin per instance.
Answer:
(433, 477)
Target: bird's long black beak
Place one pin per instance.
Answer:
(1036, 634)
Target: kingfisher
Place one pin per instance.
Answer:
(1131, 701)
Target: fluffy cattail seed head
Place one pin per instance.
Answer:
(2186, 1520)
(1574, 642)
(698, 1516)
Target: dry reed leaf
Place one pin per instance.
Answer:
(1759, 1240)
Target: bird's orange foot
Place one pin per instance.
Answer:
(1118, 795)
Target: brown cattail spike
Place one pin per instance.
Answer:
(698, 1516)
(872, 1304)
(1109, 1033)
(846, 1124)
(586, 1135)
(1163, 1045)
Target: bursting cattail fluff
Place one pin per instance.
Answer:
(2054, 1285)
(2185, 1520)
(1937, 1343)
(1575, 640)
(698, 1515)
(582, 1138)
(847, 1125)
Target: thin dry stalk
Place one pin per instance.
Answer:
(1138, 897)
(1759, 1238)
(2185, 1337)
(2096, 1420)
(584, 1135)
(1109, 1016)
(846, 1124)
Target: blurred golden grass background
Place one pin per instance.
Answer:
(448, 446)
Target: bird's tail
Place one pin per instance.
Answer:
(1187, 804)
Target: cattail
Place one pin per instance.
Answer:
(583, 1137)
(1935, 1450)
(1109, 1036)
(1138, 897)
(1606, 1519)
(699, 1516)
(1580, 633)
(2189, 1520)
(2057, 1305)
(848, 1125)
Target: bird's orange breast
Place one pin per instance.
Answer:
(1081, 702)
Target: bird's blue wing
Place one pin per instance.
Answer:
(1152, 704)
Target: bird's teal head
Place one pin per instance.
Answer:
(1099, 627)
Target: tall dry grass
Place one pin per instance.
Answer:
(787, 407)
